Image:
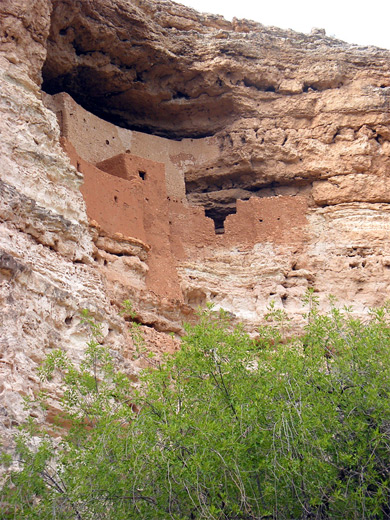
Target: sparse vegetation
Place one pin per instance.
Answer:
(227, 428)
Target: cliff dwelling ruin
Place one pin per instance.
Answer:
(154, 154)
(143, 196)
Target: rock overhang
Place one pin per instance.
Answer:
(164, 69)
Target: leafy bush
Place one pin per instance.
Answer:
(227, 428)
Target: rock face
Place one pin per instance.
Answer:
(154, 154)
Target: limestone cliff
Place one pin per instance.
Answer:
(154, 154)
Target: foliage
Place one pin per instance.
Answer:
(228, 428)
(135, 330)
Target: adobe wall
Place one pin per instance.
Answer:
(280, 220)
(96, 140)
(127, 195)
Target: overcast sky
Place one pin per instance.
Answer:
(355, 21)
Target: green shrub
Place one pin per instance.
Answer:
(227, 428)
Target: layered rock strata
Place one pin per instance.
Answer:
(191, 159)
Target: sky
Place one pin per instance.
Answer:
(355, 21)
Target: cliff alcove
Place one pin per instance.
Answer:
(132, 72)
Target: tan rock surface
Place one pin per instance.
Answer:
(24, 28)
